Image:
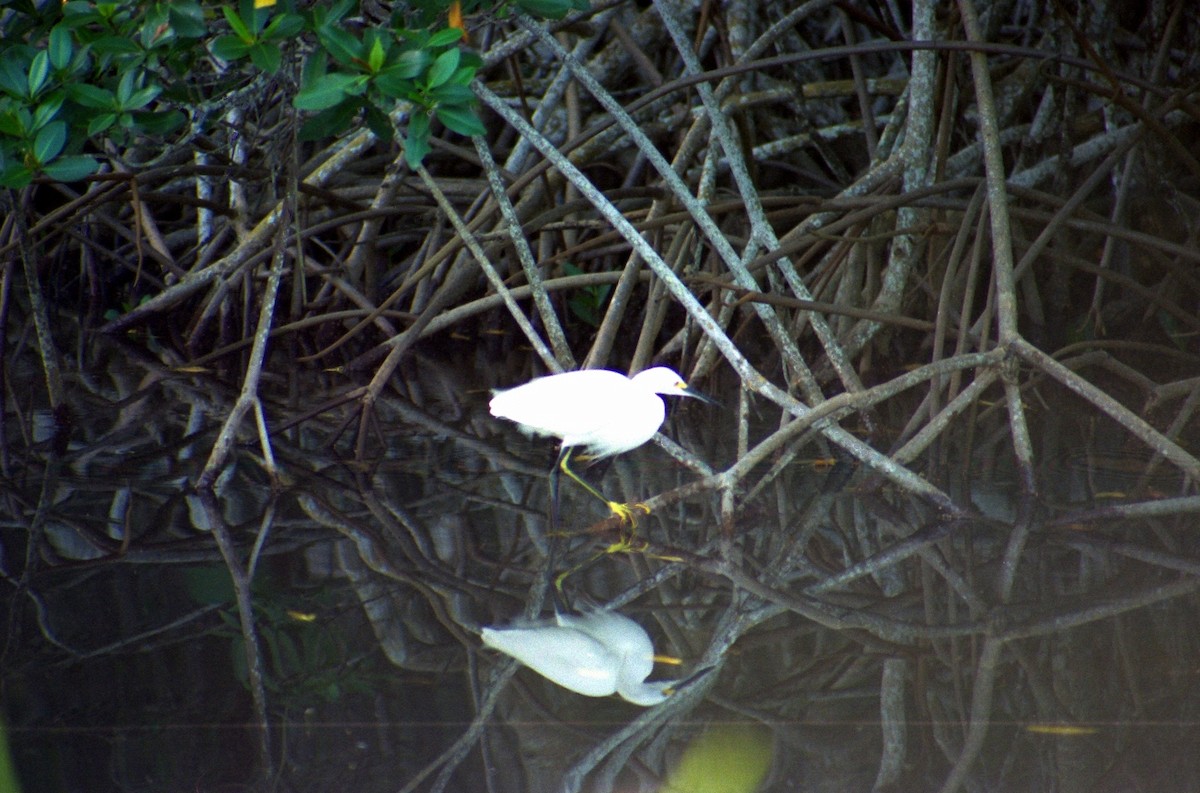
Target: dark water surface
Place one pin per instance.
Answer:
(819, 603)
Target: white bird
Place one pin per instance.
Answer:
(595, 654)
(605, 411)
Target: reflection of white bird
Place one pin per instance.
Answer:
(603, 410)
(594, 654)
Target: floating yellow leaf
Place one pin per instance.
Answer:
(1060, 729)
(731, 758)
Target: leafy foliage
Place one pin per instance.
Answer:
(373, 71)
(253, 35)
(76, 77)
(587, 303)
(87, 72)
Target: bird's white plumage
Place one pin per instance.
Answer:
(603, 410)
(594, 654)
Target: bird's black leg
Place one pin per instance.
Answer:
(623, 511)
(555, 478)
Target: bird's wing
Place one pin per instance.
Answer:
(562, 405)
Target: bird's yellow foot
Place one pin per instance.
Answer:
(625, 511)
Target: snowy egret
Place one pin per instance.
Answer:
(605, 411)
(595, 654)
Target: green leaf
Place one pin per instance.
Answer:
(375, 56)
(340, 10)
(50, 141)
(60, 47)
(209, 585)
(229, 48)
(284, 26)
(460, 119)
(39, 70)
(379, 123)
(416, 142)
(393, 86)
(80, 64)
(444, 37)
(266, 57)
(15, 176)
(341, 45)
(161, 122)
(80, 10)
(156, 30)
(13, 124)
(100, 123)
(125, 88)
(115, 45)
(91, 96)
(315, 67)
(72, 169)
(237, 25)
(463, 75)
(13, 80)
(143, 97)
(586, 303)
(410, 63)
(48, 109)
(329, 123)
(443, 66)
(187, 19)
(328, 91)
(256, 18)
(452, 95)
